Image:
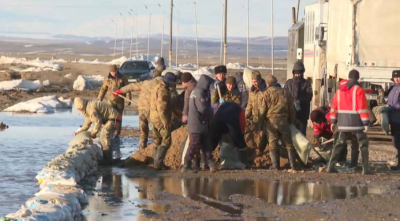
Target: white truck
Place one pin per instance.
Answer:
(340, 35)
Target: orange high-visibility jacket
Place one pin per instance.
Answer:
(350, 108)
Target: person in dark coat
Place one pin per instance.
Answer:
(200, 116)
(302, 94)
(219, 82)
(393, 111)
(230, 118)
(188, 83)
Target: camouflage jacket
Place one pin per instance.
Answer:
(98, 113)
(160, 105)
(277, 104)
(111, 84)
(256, 99)
(232, 96)
(145, 88)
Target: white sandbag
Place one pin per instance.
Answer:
(60, 189)
(385, 122)
(301, 144)
(74, 207)
(24, 213)
(247, 78)
(52, 212)
(56, 177)
(184, 150)
(228, 154)
(81, 138)
(61, 163)
(325, 150)
(94, 150)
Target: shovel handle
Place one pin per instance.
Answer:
(126, 99)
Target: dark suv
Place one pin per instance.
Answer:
(137, 70)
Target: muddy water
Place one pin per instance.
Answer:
(119, 197)
(33, 140)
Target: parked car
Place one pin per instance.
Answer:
(137, 70)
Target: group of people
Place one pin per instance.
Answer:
(212, 107)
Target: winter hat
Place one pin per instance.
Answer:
(395, 74)
(271, 79)
(255, 75)
(317, 116)
(230, 80)
(354, 75)
(220, 69)
(186, 77)
(79, 103)
(298, 68)
(170, 79)
(113, 68)
(160, 61)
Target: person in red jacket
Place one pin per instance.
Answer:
(350, 114)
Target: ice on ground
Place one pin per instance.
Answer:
(235, 66)
(45, 104)
(35, 63)
(28, 46)
(187, 66)
(88, 82)
(266, 68)
(197, 73)
(20, 84)
(96, 61)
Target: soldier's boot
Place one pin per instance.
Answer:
(203, 162)
(292, 159)
(354, 158)
(213, 166)
(398, 164)
(364, 161)
(274, 158)
(159, 159)
(244, 157)
(107, 157)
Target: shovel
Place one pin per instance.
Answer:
(126, 99)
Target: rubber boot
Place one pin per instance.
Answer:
(203, 162)
(354, 158)
(107, 158)
(196, 165)
(244, 157)
(212, 165)
(274, 158)
(398, 164)
(159, 159)
(292, 158)
(364, 161)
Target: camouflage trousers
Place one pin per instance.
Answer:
(278, 129)
(120, 108)
(143, 128)
(163, 135)
(107, 132)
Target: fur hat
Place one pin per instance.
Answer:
(354, 75)
(255, 75)
(230, 80)
(271, 79)
(186, 77)
(113, 68)
(170, 79)
(220, 69)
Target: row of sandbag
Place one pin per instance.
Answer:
(60, 198)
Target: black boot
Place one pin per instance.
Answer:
(203, 162)
(354, 158)
(196, 165)
(364, 161)
(274, 158)
(212, 165)
(292, 158)
(398, 164)
(244, 157)
(159, 159)
(187, 167)
(107, 158)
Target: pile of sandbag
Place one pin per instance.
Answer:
(60, 198)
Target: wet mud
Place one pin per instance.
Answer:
(3, 126)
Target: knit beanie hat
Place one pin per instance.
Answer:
(220, 69)
(170, 79)
(271, 79)
(230, 80)
(186, 77)
(255, 75)
(113, 68)
(354, 75)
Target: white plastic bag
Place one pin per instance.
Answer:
(55, 177)
(385, 122)
(72, 203)
(62, 190)
(229, 155)
(301, 144)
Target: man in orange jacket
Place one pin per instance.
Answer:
(350, 114)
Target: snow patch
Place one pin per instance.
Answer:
(187, 66)
(35, 63)
(197, 73)
(28, 46)
(88, 82)
(45, 104)
(235, 66)
(20, 84)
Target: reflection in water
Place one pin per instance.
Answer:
(126, 198)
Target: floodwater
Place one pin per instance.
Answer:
(116, 196)
(30, 142)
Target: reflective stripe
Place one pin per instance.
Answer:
(354, 97)
(347, 112)
(334, 111)
(363, 111)
(364, 119)
(333, 118)
(338, 100)
(350, 128)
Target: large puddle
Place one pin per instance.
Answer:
(32, 141)
(119, 197)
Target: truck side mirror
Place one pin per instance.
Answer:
(319, 35)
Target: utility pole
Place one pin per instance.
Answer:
(137, 36)
(133, 24)
(162, 35)
(197, 45)
(123, 37)
(170, 33)
(222, 33)
(226, 31)
(148, 37)
(177, 41)
(248, 30)
(298, 7)
(116, 32)
(272, 35)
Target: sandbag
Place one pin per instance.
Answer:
(378, 115)
(81, 138)
(184, 148)
(247, 77)
(73, 206)
(301, 144)
(62, 190)
(228, 154)
(55, 177)
(385, 122)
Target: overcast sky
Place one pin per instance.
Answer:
(93, 17)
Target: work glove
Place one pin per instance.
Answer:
(118, 92)
(216, 85)
(93, 136)
(366, 129)
(297, 105)
(184, 119)
(221, 101)
(386, 109)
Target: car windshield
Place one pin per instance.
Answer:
(131, 66)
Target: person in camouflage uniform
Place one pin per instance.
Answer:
(99, 114)
(160, 117)
(160, 67)
(145, 88)
(278, 111)
(113, 82)
(231, 93)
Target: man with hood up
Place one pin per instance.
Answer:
(99, 114)
(302, 94)
(160, 67)
(113, 82)
(199, 119)
(350, 112)
(231, 93)
(160, 117)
